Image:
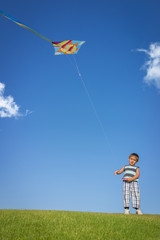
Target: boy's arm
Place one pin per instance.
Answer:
(120, 171)
(135, 177)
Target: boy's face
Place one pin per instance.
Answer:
(132, 160)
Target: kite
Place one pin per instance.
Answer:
(61, 48)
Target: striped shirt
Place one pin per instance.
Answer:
(130, 171)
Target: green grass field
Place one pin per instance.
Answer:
(61, 225)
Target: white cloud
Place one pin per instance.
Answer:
(8, 108)
(152, 65)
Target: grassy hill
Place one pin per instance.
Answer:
(63, 225)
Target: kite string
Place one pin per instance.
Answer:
(91, 103)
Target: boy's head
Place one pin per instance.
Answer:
(133, 158)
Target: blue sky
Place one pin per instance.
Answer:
(54, 154)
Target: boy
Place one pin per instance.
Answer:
(130, 184)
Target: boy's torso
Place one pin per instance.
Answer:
(130, 171)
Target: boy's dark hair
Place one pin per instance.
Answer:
(136, 155)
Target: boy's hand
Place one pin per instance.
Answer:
(129, 179)
(119, 172)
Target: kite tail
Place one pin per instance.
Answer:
(22, 25)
